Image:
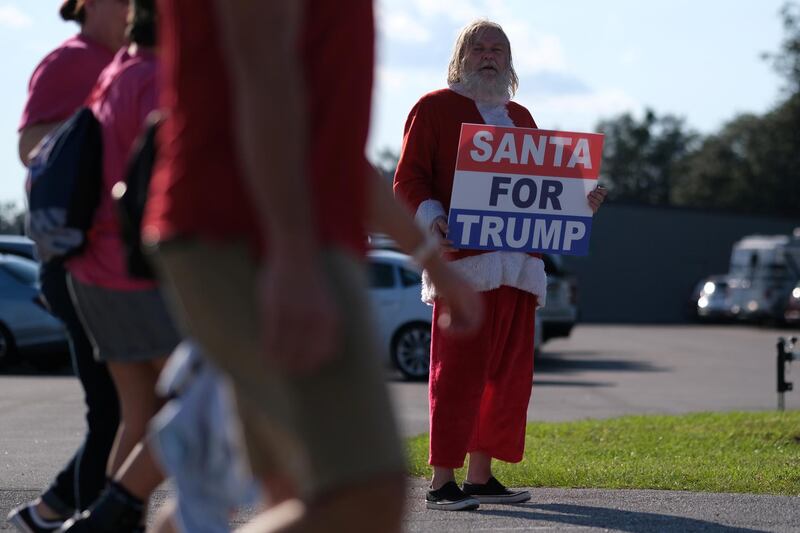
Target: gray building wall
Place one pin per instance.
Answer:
(644, 261)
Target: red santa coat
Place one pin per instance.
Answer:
(430, 144)
(479, 385)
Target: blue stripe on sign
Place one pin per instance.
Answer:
(519, 232)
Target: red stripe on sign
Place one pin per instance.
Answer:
(528, 151)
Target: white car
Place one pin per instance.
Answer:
(402, 320)
(560, 312)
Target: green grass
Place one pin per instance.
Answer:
(713, 452)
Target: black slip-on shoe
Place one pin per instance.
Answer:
(495, 492)
(27, 520)
(450, 498)
(115, 511)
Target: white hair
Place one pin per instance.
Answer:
(456, 72)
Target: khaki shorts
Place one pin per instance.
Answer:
(330, 428)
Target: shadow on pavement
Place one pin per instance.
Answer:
(614, 519)
(56, 366)
(568, 362)
(579, 361)
(566, 383)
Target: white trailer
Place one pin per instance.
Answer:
(763, 271)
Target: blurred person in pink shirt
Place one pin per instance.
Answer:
(126, 317)
(59, 85)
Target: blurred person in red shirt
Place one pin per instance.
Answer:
(257, 211)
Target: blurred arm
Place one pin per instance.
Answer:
(462, 306)
(260, 45)
(30, 137)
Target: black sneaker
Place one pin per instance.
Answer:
(450, 498)
(27, 520)
(115, 511)
(494, 492)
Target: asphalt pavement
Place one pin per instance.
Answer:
(574, 510)
(599, 372)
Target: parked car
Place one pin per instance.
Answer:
(402, 320)
(711, 299)
(791, 314)
(560, 312)
(17, 245)
(26, 325)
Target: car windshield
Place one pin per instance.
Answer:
(381, 275)
(21, 269)
(759, 263)
(409, 277)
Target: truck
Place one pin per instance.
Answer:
(763, 271)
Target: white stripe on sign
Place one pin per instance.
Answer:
(522, 194)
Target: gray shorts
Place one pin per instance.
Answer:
(124, 326)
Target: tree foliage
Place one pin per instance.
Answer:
(750, 165)
(12, 219)
(386, 163)
(787, 61)
(642, 158)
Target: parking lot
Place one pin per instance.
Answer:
(606, 370)
(599, 371)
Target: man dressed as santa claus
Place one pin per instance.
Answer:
(480, 384)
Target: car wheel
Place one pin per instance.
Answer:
(8, 349)
(411, 351)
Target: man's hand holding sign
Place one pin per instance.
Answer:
(525, 190)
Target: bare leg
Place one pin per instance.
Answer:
(138, 403)
(441, 476)
(480, 468)
(341, 510)
(278, 489)
(140, 474)
(120, 505)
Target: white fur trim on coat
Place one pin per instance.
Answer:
(491, 270)
(427, 212)
(496, 115)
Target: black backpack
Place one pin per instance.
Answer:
(132, 198)
(64, 182)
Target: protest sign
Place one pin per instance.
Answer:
(523, 189)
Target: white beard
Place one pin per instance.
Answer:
(489, 91)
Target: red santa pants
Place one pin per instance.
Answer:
(480, 385)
